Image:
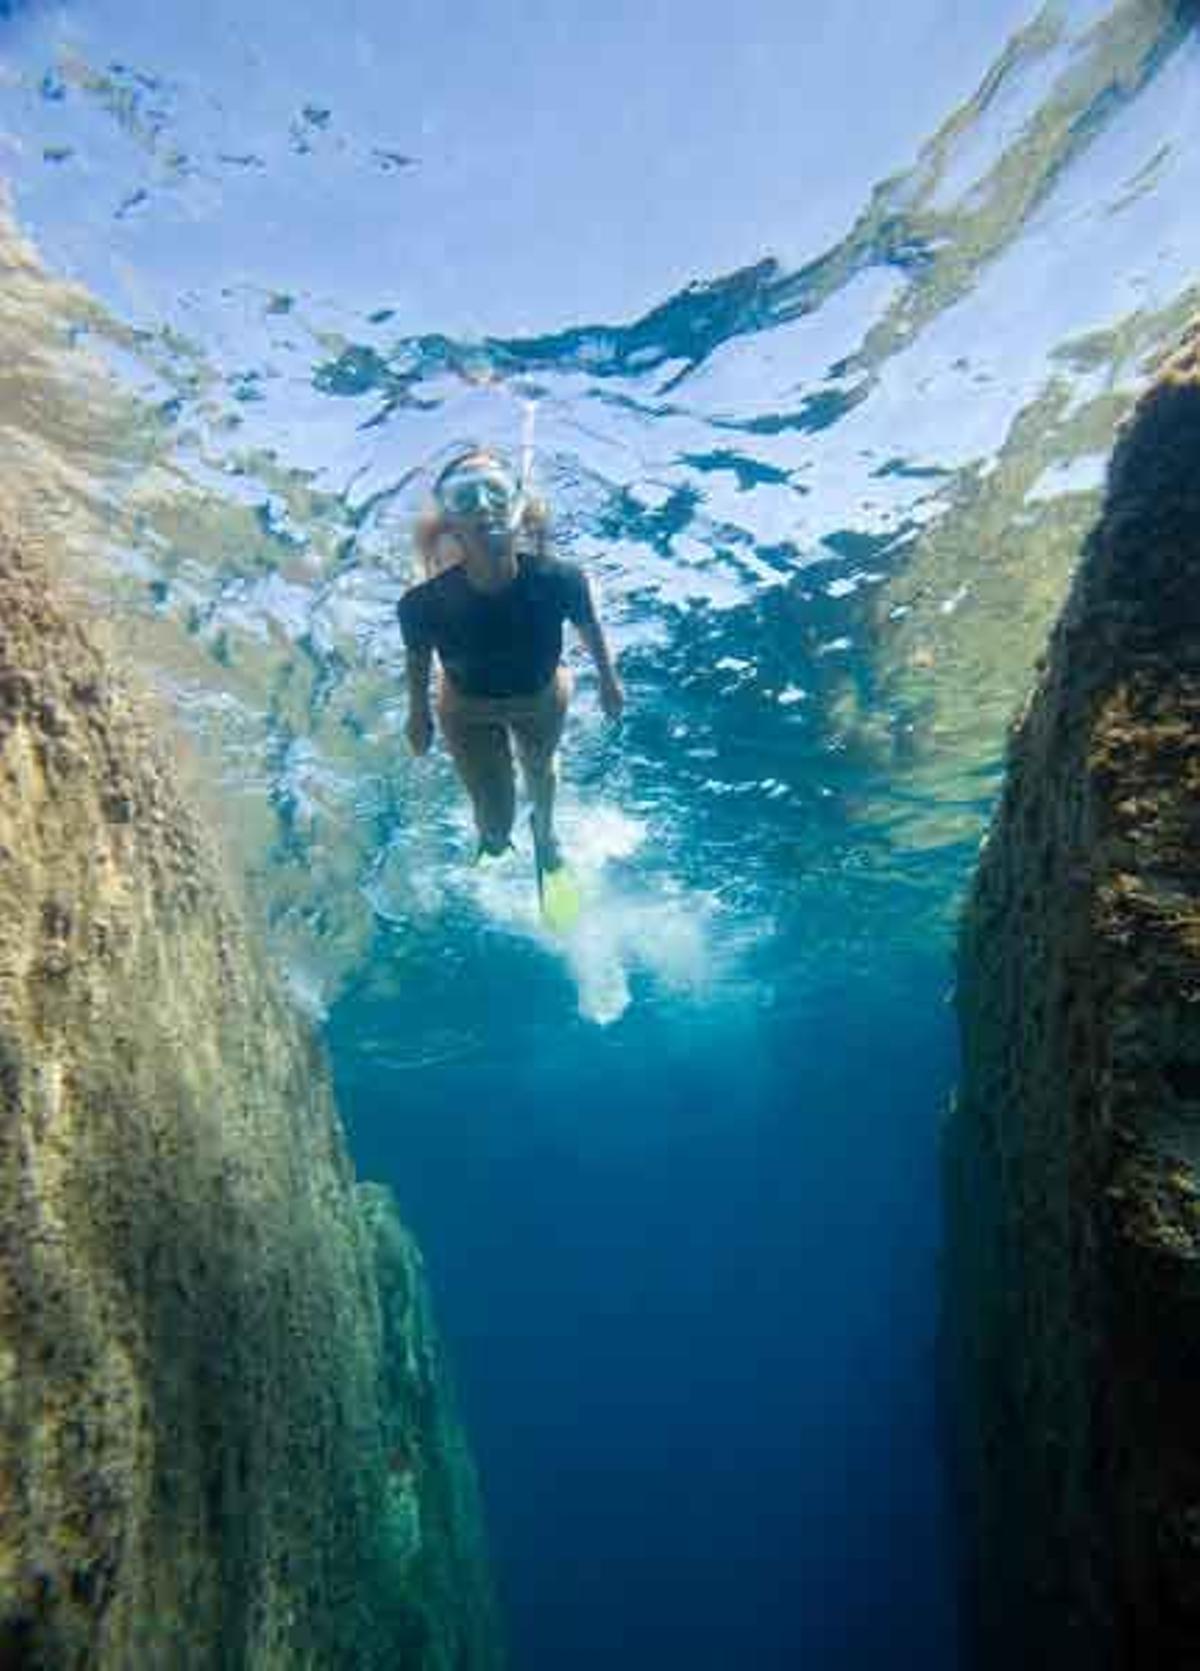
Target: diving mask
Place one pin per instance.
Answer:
(483, 490)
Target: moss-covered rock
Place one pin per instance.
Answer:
(1073, 1155)
(200, 1389)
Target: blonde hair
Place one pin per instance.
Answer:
(535, 526)
(434, 543)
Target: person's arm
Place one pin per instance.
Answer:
(418, 727)
(587, 625)
(418, 664)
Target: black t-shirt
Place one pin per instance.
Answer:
(505, 643)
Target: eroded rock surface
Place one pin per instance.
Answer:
(200, 1390)
(1073, 1156)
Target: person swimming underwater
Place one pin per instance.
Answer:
(493, 616)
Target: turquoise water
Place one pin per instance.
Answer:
(821, 332)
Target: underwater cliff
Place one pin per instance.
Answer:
(1073, 1154)
(226, 1437)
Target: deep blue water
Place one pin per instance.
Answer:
(686, 1268)
(822, 319)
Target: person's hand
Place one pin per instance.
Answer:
(419, 730)
(612, 697)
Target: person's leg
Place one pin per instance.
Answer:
(483, 759)
(538, 732)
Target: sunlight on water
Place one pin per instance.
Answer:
(999, 296)
(622, 930)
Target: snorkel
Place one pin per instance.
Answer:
(525, 480)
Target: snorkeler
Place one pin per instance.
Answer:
(493, 612)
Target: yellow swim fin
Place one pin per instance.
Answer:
(562, 900)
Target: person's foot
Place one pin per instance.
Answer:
(489, 851)
(546, 849)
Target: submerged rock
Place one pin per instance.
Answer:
(442, 1594)
(202, 1382)
(1073, 1155)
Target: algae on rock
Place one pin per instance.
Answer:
(1073, 1154)
(197, 1448)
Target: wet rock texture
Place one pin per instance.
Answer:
(1073, 1156)
(210, 1405)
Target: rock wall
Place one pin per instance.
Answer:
(207, 1394)
(1073, 1154)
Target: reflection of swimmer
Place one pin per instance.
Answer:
(494, 615)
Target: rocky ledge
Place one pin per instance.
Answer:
(1073, 1154)
(225, 1436)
